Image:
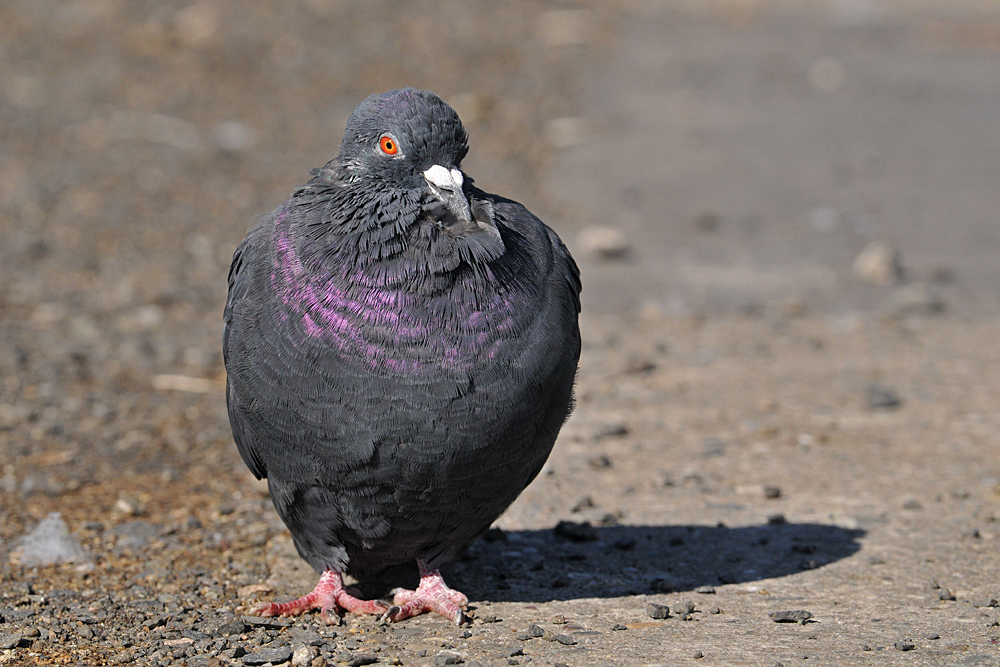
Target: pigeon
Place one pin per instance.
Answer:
(401, 349)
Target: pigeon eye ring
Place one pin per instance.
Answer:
(388, 144)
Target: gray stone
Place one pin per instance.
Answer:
(230, 625)
(658, 611)
(792, 616)
(447, 658)
(275, 656)
(576, 532)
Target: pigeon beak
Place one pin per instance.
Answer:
(446, 184)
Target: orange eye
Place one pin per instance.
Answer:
(388, 145)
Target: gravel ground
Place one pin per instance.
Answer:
(754, 475)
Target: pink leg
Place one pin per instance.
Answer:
(431, 595)
(329, 594)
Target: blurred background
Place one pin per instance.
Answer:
(730, 158)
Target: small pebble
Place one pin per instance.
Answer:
(697, 655)
(714, 610)
(9, 640)
(945, 594)
(514, 652)
(639, 365)
(269, 622)
(904, 646)
(882, 398)
(606, 243)
(275, 656)
(611, 430)
(658, 611)
(685, 608)
(558, 619)
(878, 265)
(303, 656)
(933, 636)
(619, 626)
(447, 658)
(705, 590)
(601, 462)
(584, 503)
(576, 532)
(772, 492)
(311, 638)
(791, 616)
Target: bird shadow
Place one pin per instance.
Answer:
(576, 561)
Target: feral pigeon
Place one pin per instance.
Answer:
(401, 349)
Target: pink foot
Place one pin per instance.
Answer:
(431, 595)
(329, 594)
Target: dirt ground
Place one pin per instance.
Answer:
(758, 430)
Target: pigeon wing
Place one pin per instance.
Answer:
(241, 285)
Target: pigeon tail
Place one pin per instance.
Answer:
(328, 595)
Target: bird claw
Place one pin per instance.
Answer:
(386, 618)
(329, 597)
(272, 609)
(261, 609)
(433, 594)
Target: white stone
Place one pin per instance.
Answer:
(303, 656)
(605, 242)
(50, 543)
(878, 265)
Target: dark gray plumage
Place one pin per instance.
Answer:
(401, 349)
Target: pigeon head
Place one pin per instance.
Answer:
(408, 140)
(395, 202)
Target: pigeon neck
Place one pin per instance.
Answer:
(387, 241)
